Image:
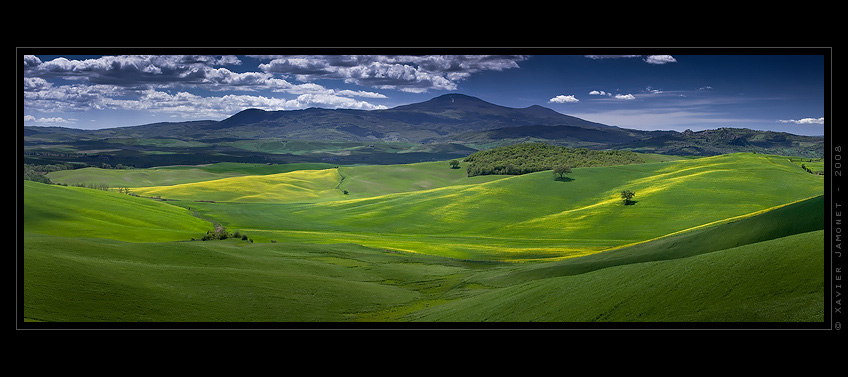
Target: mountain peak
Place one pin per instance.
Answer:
(251, 115)
(453, 97)
(451, 101)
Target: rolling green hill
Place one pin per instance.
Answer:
(425, 243)
(375, 180)
(803, 216)
(82, 212)
(299, 185)
(729, 285)
(82, 280)
(533, 216)
(172, 175)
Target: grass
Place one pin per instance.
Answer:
(533, 216)
(295, 186)
(732, 238)
(814, 164)
(375, 180)
(82, 280)
(799, 217)
(173, 175)
(247, 183)
(81, 212)
(730, 285)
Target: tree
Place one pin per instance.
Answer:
(627, 195)
(562, 170)
(454, 164)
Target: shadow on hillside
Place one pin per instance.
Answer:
(563, 179)
(630, 202)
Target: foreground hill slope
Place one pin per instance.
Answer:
(803, 216)
(82, 212)
(81, 280)
(729, 285)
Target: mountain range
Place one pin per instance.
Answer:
(455, 119)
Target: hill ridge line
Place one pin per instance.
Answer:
(717, 222)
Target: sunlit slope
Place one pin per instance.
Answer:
(375, 180)
(172, 175)
(779, 280)
(713, 273)
(132, 177)
(795, 218)
(81, 212)
(535, 216)
(301, 185)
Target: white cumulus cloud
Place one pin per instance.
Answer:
(660, 59)
(51, 120)
(650, 59)
(625, 96)
(564, 99)
(804, 121)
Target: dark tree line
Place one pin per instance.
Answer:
(810, 171)
(532, 157)
(38, 173)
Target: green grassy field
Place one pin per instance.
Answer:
(814, 164)
(172, 175)
(81, 280)
(729, 285)
(422, 242)
(295, 186)
(82, 212)
(531, 216)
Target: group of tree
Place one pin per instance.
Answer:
(104, 165)
(38, 172)
(810, 171)
(95, 186)
(532, 157)
(223, 234)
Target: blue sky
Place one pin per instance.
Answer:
(676, 91)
